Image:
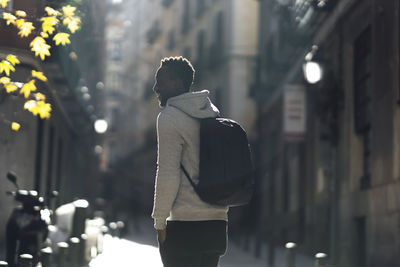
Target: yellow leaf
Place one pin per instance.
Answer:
(40, 96)
(6, 67)
(27, 88)
(13, 59)
(40, 47)
(30, 104)
(5, 80)
(26, 29)
(73, 23)
(47, 28)
(10, 87)
(48, 24)
(20, 13)
(44, 109)
(19, 23)
(10, 18)
(39, 75)
(62, 38)
(38, 40)
(44, 35)
(50, 20)
(69, 10)
(4, 3)
(52, 12)
(15, 126)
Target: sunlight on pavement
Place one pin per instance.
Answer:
(125, 253)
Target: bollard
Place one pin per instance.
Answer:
(79, 220)
(62, 254)
(25, 260)
(120, 228)
(74, 244)
(321, 260)
(45, 256)
(82, 251)
(3, 264)
(113, 228)
(100, 239)
(290, 254)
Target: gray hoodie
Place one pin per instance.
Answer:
(178, 133)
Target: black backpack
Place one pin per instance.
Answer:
(226, 173)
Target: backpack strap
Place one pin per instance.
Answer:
(188, 177)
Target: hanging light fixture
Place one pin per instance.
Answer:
(312, 69)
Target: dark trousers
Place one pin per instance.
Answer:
(194, 244)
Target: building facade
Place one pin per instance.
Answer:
(334, 189)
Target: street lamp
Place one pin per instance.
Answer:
(312, 71)
(311, 68)
(100, 126)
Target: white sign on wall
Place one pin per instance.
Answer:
(294, 112)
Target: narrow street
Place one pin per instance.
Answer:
(125, 253)
(141, 250)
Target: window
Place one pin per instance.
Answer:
(115, 80)
(199, 64)
(219, 33)
(154, 32)
(362, 81)
(363, 99)
(171, 40)
(200, 46)
(115, 53)
(216, 47)
(186, 17)
(201, 4)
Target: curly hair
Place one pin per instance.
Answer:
(181, 68)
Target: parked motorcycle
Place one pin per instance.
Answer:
(27, 227)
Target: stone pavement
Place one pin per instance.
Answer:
(125, 253)
(141, 250)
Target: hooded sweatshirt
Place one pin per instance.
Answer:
(178, 134)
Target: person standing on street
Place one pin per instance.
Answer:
(190, 232)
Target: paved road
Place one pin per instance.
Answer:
(125, 253)
(140, 249)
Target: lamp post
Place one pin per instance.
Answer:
(330, 102)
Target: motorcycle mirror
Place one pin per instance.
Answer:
(12, 177)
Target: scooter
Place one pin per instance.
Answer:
(27, 227)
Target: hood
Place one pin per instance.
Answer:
(195, 104)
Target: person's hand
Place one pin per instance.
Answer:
(161, 235)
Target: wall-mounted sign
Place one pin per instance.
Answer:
(294, 112)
